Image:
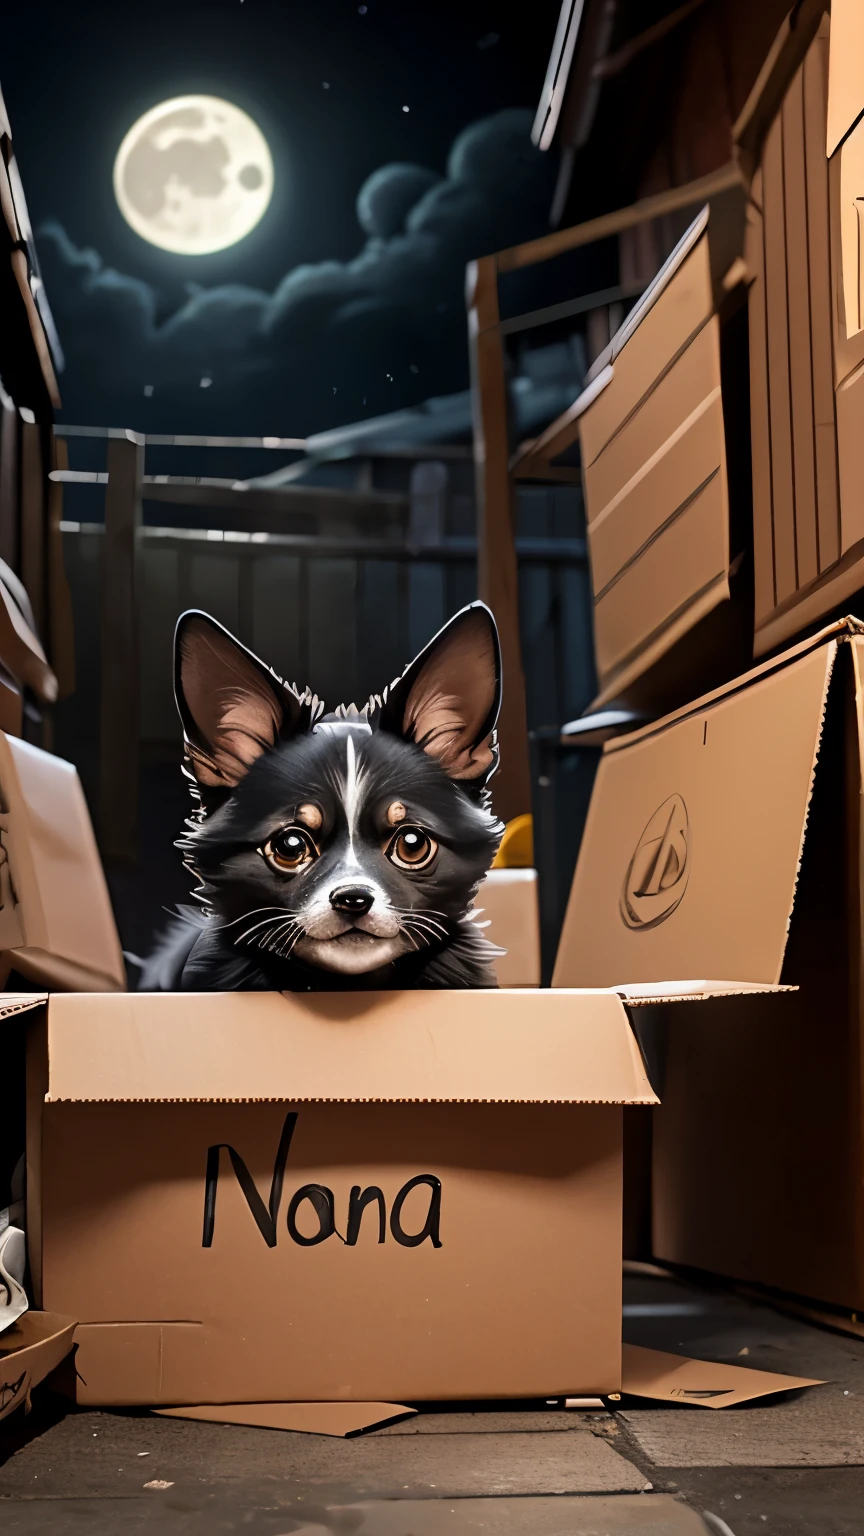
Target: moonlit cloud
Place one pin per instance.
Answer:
(335, 340)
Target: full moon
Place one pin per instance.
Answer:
(193, 175)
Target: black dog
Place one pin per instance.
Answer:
(335, 851)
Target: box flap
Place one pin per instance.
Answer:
(20, 1002)
(519, 1046)
(29, 1351)
(699, 1383)
(63, 906)
(343, 1419)
(689, 862)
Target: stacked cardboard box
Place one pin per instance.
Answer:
(725, 839)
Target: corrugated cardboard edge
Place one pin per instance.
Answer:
(642, 994)
(680, 1381)
(344, 1420)
(29, 1351)
(641, 1098)
(18, 1002)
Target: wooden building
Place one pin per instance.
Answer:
(713, 156)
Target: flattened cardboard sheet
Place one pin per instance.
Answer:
(342, 1419)
(690, 857)
(699, 1383)
(29, 1351)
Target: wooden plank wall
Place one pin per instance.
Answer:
(796, 521)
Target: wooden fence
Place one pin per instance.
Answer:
(343, 611)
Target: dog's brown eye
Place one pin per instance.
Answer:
(289, 850)
(412, 848)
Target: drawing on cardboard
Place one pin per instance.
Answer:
(658, 872)
(322, 1201)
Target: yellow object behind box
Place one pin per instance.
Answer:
(517, 845)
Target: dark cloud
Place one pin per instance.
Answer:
(336, 340)
(387, 197)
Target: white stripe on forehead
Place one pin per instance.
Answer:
(350, 788)
(355, 778)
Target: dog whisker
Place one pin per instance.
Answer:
(221, 927)
(419, 941)
(428, 915)
(276, 911)
(286, 944)
(433, 926)
(265, 922)
(293, 932)
(278, 931)
(258, 938)
(409, 936)
(429, 923)
(289, 941)
(422, 928)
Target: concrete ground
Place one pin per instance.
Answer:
(792, 1467)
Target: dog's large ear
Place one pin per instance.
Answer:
(447, 701)
(233, 708)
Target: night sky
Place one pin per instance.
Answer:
(327, 81)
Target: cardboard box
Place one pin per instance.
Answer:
(670, 609)
(509, 904)
(380, 1198)
(56, 924)
(726, 841)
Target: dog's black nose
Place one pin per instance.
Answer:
(351, 899)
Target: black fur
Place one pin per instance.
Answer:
(351, 768)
